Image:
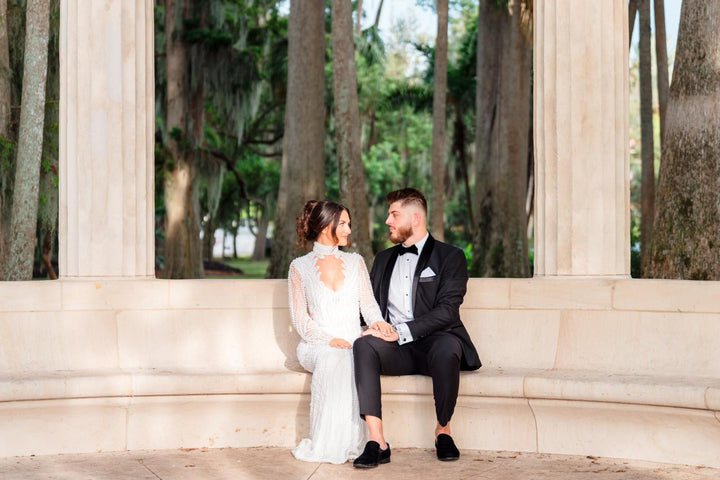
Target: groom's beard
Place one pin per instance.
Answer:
(401, 234)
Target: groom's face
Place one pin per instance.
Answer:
(399, 222)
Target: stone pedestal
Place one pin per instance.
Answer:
(582, 216)
(107, 118)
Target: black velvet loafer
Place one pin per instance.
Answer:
(372, 456)
(445, 448)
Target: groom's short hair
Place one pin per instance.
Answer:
(408, 196)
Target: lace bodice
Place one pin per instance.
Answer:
(320, 313)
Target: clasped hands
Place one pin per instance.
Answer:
(378, 329)
(382, 330)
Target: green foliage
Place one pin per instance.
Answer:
(6, 152)
(457, 219)
(262, 176)
(383, 169)
(212, 38)
(371, 47)
(241, 48)
(419, 97)
(452, 4)
(176, 134)
(500, 4)
(7, 156)
(45, 165)
(462, 68)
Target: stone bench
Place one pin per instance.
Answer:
(576, 385)
(617, 368)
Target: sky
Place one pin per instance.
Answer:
(424, 22)
(396, 10)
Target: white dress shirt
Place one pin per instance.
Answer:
(400, 292)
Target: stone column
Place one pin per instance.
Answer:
(107, 122)
(582, 194)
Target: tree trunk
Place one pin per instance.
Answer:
(685, 239)
(437, 198)
(234, 243)
(225, 234)
(459, 135)
(358, 17)
(235, 227)
(647, 154)
(530, 195)
(632, 14)
(351, 175)
(371, 133)
(5, 73)
(49, 193)
(211, 177)
(500, 247)
(377, 15)
(21, 248)
(489, 41)
(302, 175)
(260, 238)
(183, 252)
(662, 63)
(208, 240)
(5, 103)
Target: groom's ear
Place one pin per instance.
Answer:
(416, 217)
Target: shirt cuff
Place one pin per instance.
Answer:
(404, 335)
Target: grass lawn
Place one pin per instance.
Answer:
(251, 269)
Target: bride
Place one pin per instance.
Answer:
(329, 289)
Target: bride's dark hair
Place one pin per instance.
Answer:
(315, 216)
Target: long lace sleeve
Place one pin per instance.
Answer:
(309, 330)
(368, 305)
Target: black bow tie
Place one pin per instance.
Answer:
(410, 249)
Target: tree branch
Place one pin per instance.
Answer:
(263, 154)
(269, 141)
(230, 165)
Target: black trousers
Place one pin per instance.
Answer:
(437, 356)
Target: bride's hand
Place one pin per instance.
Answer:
(383, 327)
(340, 343)
(373, 332)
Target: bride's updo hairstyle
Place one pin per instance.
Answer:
(315, 216)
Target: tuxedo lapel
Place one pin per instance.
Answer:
(422, 263)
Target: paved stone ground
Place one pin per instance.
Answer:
(278, 463)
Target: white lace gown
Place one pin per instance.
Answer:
(319, 313)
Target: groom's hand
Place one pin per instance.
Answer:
(383, 327)
(390, 337)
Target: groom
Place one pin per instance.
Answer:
(419, 284)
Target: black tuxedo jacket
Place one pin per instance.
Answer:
(436, 299)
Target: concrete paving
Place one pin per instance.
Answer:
(277, 463)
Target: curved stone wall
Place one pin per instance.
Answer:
(622, 368)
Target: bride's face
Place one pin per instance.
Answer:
(342, 231)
